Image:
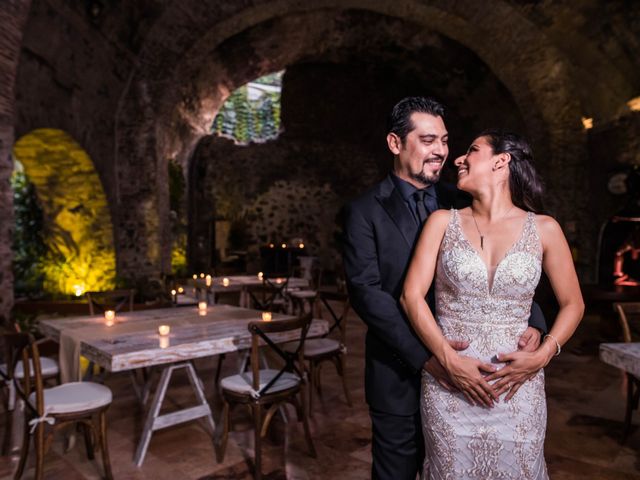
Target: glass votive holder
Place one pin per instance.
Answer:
(164, 341)
(266, 316)
(164, 330)
(109, 317)
(202, 308)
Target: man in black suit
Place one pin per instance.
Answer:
(380, 232)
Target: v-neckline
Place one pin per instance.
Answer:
(477, 254)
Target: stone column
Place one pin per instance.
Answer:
(13, 16)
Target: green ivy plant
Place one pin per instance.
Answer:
(251, 120)
(29, 248)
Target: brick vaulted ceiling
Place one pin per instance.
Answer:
(138, 83)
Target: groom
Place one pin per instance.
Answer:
(380, 232)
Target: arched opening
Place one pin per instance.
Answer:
(334, 105)
(77, 232)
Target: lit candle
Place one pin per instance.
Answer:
(164, 330)
(202, 275)
(164, 342)
(266, 316)
(180, 290)
(202, 306)
(174, 296)
(195, 277)
(260, 276)
(301, 245)
(284, 245)
(207, 280)
(271, 245)
(225, 282)
(279, 281)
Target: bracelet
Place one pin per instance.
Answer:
(558, 349)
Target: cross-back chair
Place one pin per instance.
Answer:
(629, 318)
(272, 295)
(85, 403)
(116, 300)
(265, 390)
(50, 372)
(304, 297)
(331, 347)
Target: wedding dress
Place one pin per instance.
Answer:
(489, 308)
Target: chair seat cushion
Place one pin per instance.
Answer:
(242, 383)
(74, 397)
(314, 346)
(304, 294)
(48, 366)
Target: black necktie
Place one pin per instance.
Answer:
(425, 204)
(420, 207)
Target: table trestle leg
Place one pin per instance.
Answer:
(154, 421)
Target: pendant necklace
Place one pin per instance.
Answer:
(478, 229)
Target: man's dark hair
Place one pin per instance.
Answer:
(399, 121)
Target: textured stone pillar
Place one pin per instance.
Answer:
(13, 15)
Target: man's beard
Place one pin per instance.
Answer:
(426, 180)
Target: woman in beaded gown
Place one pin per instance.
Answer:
(489, 422)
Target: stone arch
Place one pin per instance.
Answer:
(522, 56)
(78, 227)
(13, 16)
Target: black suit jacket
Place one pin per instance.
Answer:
(380, 234)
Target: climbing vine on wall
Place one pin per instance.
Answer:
(252, 112)
(177, 186)
(29, 248)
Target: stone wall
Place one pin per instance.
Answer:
(13, 16)
(332, 148)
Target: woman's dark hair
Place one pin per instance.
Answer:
(524, 182)
(399, 121)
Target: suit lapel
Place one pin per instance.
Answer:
(396, 208)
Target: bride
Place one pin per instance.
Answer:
(487, 260)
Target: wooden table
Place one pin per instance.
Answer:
(625, 356)
(241, 284)
(133, 342)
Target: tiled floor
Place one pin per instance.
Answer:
(585, 403)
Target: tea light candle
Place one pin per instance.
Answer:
(164, 342)
(284, 245)
(180, 290)
(260, 276)
(207, 280)
(195, 277)
(164, 330)
(301, 245)
(109, 317)
(202, 306)
(266, 316)
(225, 282)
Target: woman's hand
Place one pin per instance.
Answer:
(520, 367)
(465, 373)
